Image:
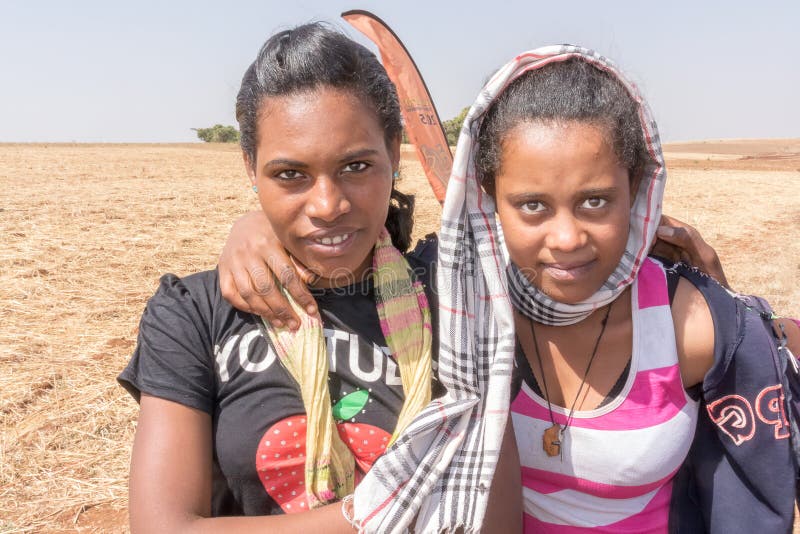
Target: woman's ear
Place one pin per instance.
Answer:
(489, 188)
(394, 153)
(249, 168)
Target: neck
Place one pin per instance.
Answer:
(565, 352)
(345, 277)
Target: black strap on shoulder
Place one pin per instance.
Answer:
(673, 277)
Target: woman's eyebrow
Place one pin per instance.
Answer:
(358, 154)
(599, 191)
(286, 162)
(592, 191)
(526, 196)
(348, 156)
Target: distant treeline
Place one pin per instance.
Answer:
(218, 134)
(228, 134)
(453, 127)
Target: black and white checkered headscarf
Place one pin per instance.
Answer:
(645, 212)
(438, 474)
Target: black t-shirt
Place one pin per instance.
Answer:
(195, 349)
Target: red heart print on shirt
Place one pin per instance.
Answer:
(280, 456)
(281, 463)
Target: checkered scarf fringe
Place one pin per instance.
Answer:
(437, 475)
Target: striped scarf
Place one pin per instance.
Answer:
(406, 324)
(438, 474)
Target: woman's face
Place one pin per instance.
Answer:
(324, 176)
(564, 202)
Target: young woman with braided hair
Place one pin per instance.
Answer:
(248, 426)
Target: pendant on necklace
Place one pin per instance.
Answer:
(551, 440)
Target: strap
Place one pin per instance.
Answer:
(673, 277)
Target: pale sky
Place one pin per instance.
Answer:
(149, 71)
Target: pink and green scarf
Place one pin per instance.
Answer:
(406, 324)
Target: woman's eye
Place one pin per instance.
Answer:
(289, 175)
(533, 206)
(356, 166)
(594, 203)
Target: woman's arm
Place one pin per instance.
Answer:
(504, 510)
(170, 483)
(252, 267)
(694, 333)
(678, 241)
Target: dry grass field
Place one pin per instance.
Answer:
(88, 229)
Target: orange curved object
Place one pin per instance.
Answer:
(422, 124)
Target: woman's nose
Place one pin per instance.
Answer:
(326, 200)
(566, 233)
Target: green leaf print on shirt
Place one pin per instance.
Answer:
(349, 405)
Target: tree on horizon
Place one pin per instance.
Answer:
(218, 134)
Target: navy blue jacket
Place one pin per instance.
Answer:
(741, 472)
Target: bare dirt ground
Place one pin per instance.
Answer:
(88, 229)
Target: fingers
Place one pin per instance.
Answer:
(227, 286)
(692, 247)
(262, 288)
(258, 288)
(294, 277)
(253, 290)
(666, 250)
(678, 234)
(253, 269)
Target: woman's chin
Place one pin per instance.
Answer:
(339, 274)
(568, 295)
(335, 279)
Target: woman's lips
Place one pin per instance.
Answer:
(568, 272)
(331, 243)
(333, 239)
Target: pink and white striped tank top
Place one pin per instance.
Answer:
(619, 459)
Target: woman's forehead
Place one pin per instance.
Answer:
(321, 119)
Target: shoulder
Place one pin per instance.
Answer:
(422, 259)
(197, 291)
(193, 285)
(709, 324)
(186, 306)
(425, 252)
(791, 329)
(173, 358)
(694, 331)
